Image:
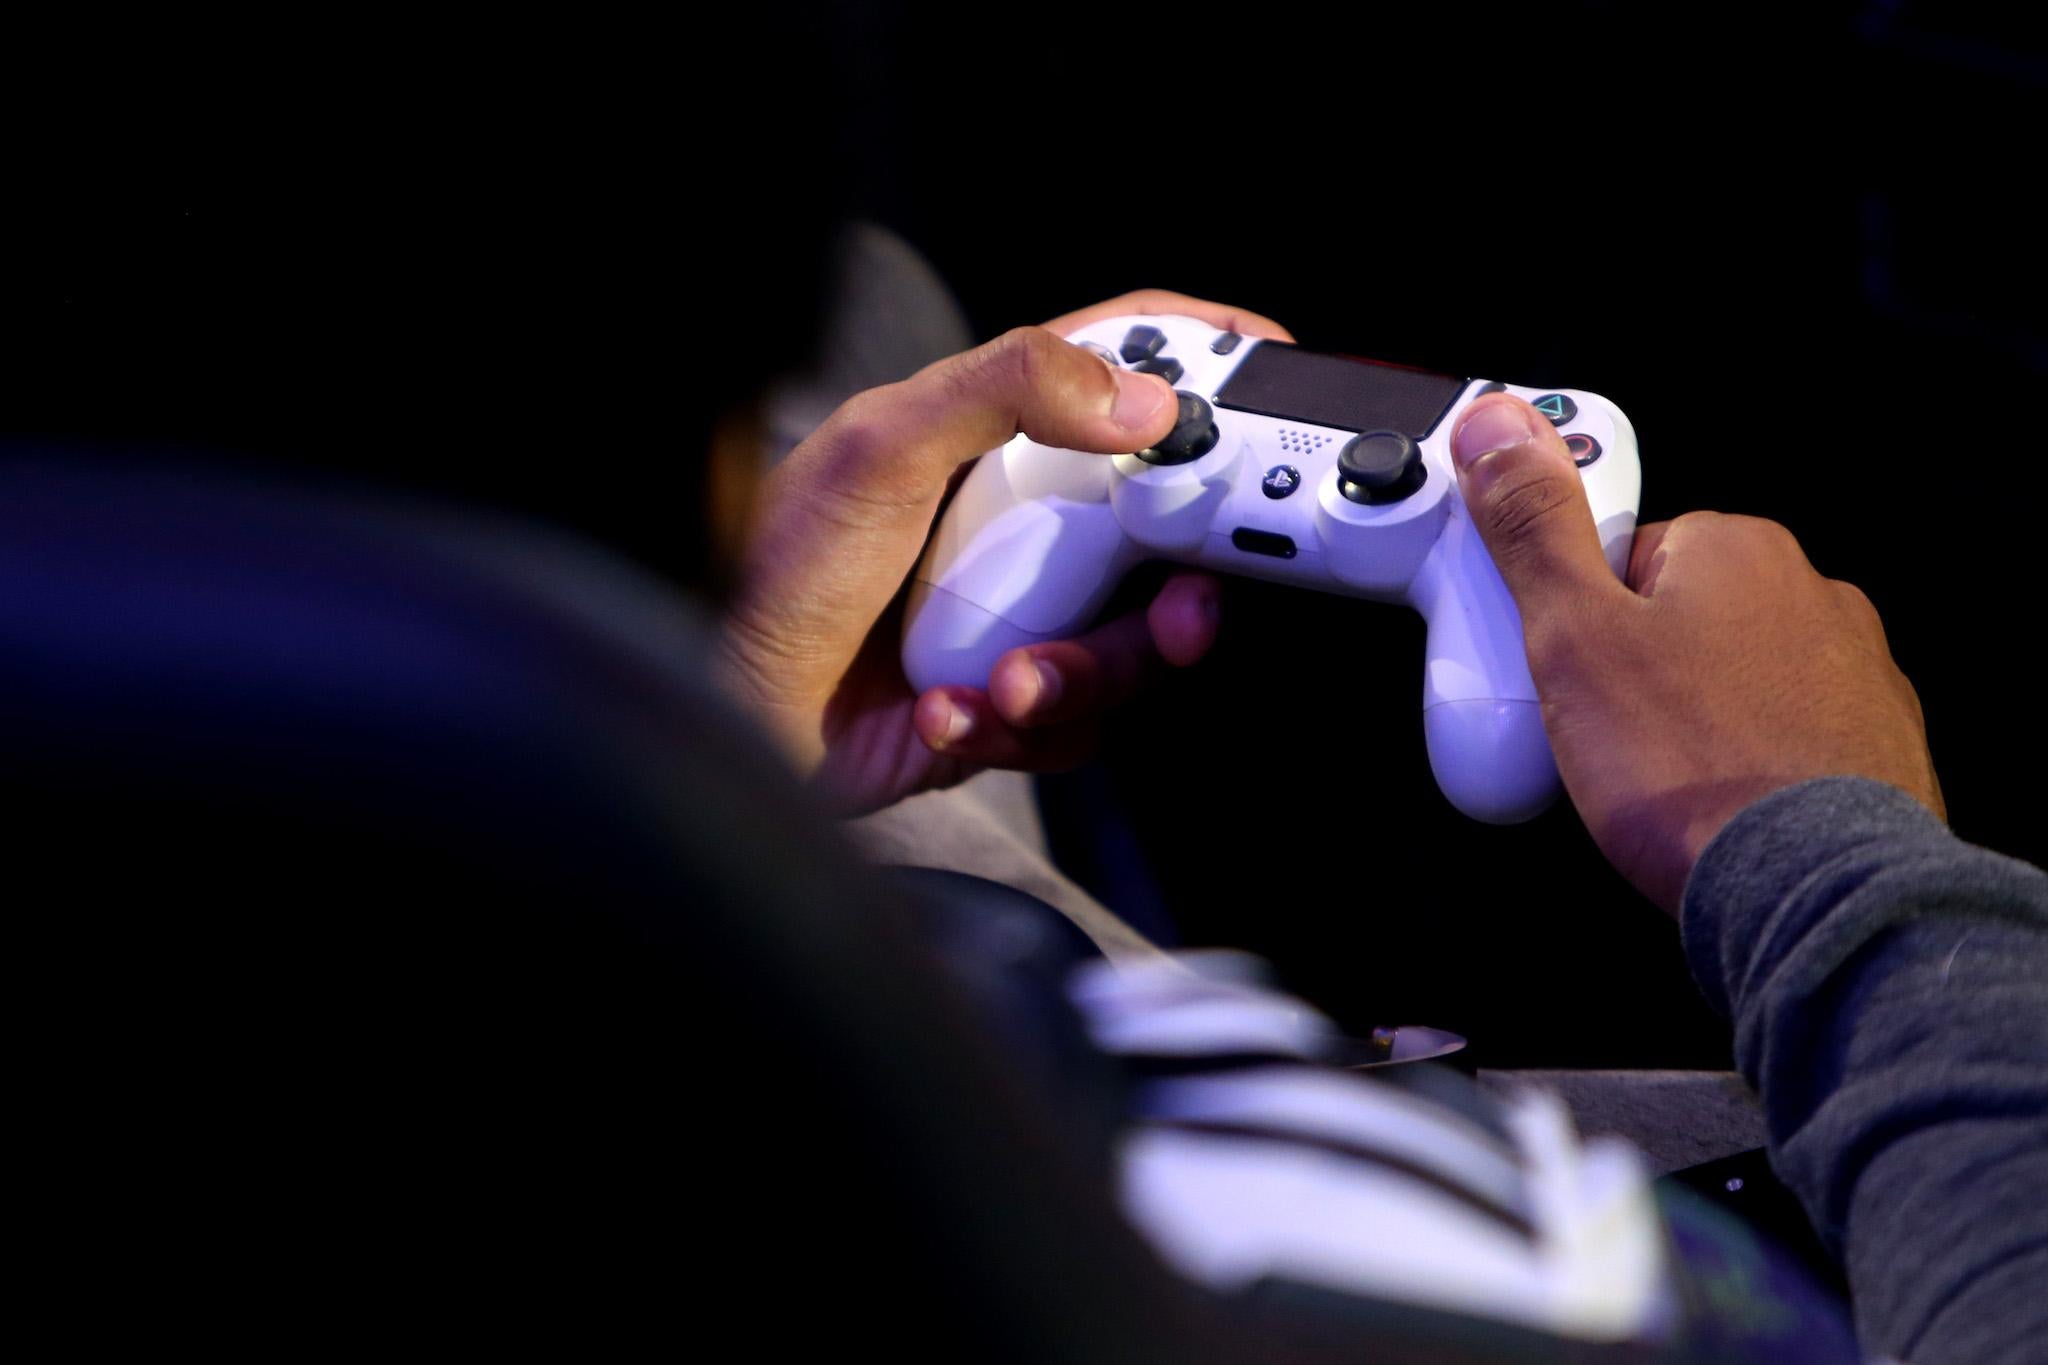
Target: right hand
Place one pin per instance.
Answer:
(1725, 669)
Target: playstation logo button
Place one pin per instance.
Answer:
(1281, 480)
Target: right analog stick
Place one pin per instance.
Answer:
(1193, 436)
(1379, 467)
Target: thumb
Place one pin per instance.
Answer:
(1530, 506)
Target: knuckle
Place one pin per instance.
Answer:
(1020, 358)
(1767, 532)
(858, 433)
(1860, 608)
(1779, 536)
(1521, 511)
(861, 456)
(1757, 536)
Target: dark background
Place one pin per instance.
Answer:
(523, 267)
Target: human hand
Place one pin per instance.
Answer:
(1724, 669)
(811, 638)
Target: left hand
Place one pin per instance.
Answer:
(811, 640)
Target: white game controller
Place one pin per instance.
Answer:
(1289, 465)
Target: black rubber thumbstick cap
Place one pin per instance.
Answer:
(1379, 467)
(1193, 436)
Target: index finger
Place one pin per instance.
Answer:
(1153, 301)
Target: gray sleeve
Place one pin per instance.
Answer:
(1888, 985)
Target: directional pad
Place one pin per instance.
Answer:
(1165, 366)
(1142, 343)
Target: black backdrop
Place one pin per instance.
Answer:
(1801, 252)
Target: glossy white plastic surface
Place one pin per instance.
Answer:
(1491, 758)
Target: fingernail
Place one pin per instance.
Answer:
(1049, 685)
(958, 723)
(1139, 399)
(1497, 426)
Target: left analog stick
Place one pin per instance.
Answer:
(1193, 436)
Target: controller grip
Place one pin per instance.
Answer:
(1480, 713)
(1028, 551)
(1491, 758)
(948, 640)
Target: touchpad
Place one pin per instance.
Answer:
(1278, 380)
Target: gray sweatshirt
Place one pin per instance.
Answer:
(1888, 985)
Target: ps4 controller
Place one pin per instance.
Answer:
(1285, 464)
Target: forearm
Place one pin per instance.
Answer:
(1889, 989)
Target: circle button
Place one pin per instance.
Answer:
(1584, 448)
